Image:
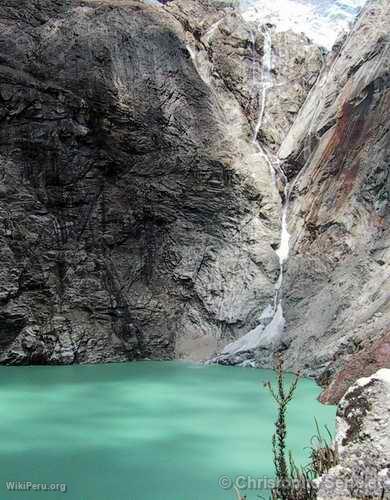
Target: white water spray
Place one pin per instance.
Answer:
(284, 248)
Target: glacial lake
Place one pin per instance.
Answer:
(145, 430)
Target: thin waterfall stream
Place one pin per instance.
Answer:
(265, 334)
(272, 322)
(266, 77)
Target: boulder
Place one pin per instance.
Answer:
(363, 443)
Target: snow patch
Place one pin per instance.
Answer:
(321, 20)
(382, 374)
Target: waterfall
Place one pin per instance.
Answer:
(283, 250)
(276, 326)
(273, 314)
(272, 322)
(261, 90)
(284, 246)
(266, 77)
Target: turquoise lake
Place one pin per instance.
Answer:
(145, 430)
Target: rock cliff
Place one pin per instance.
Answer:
(337, 158)
(137, 217)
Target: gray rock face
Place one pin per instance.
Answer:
(363, 443)
(230, 55)
(260, 78)
(135, 220)
(337, 288)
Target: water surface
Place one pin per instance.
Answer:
(143, 431)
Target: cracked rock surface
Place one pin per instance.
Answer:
(337, 156)
(135, 220)
(363, 442)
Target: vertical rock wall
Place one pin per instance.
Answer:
(135, 220)
(337, 156)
